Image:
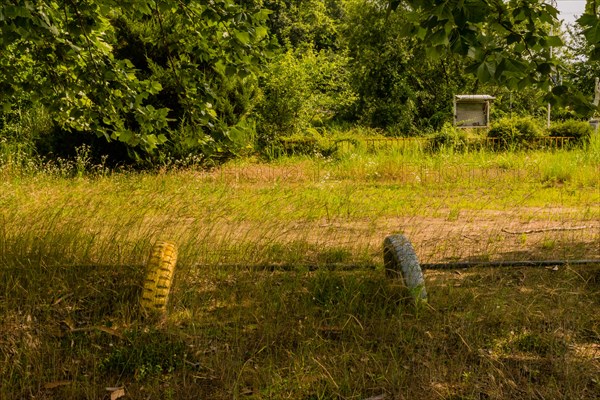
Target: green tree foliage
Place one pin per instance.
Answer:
(510, 102)
(590, 28)
(182, 76)
(507, 42)
(303, 89)
(400, 88)
(297, 23)
(581, 70)
(135, 70)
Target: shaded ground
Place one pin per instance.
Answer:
(518, 333)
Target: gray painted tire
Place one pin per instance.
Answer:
(400, 260)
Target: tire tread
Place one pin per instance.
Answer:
(400, 261)
(160, 270)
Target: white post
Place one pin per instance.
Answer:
(553, 4)
(454, 117)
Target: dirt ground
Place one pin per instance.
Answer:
(464, 236)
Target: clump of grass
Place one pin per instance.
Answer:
(298, 334)
(143, 354)
(556, 174)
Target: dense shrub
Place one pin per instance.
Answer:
(580, 131)
(519, 132)
(22, 126)
(449, 138)
(302, 89)
(309, 142)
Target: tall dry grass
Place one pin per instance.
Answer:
(279, 291)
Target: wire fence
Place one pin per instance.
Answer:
(307, 145)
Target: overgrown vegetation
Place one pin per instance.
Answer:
(279, 290)
(303, 90)
(516, 132)
(126, 124)
(150, 83)
(580, 131)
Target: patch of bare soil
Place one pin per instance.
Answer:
(481, 235)
(487, 235)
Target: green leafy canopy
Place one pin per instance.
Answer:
(508, 42)
(66, 53)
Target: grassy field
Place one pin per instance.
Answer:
(279, 290)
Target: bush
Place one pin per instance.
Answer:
(303, 89)
(519, 132)
(25, 124)
(311, 142)
(449, 138)
(580, 131)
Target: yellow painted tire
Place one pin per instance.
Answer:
(159, 276)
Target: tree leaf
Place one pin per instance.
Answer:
(439, 38)
(242, 36)
(544, 68)
(261, 32)
(587, 20)
(156, 86)
(513, 38)
(554, 41)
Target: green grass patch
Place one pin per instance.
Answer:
(279, 290)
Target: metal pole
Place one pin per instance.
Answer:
(553, 4)
(454, 119)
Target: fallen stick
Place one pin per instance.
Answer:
(574, 228)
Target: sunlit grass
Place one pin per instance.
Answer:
(279, 291)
